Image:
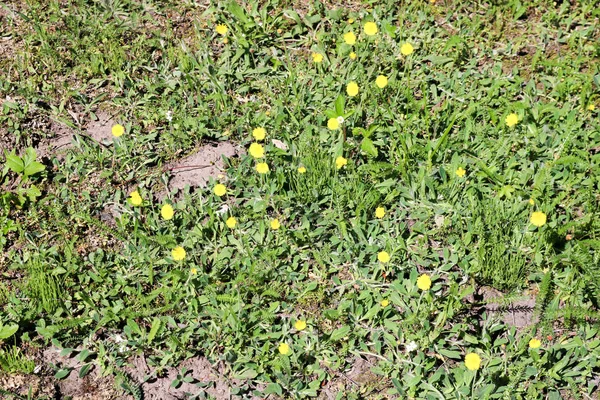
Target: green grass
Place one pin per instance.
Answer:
(67, 274)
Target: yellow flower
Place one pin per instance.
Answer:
(221, 29)
(167, 211)
(591, 107)
(317, 57)
(472, 361)
(353, 56)
(333, 124)
(350, 20)
(301, 170)
(225, 40)
(379, 212)
(370, 28)
(385, 303)
(284, 348)
(300, 325)
(424, 282)
(256, 150)
(381, 81)
(407, 49)
(460, 172)
(118, 130)
(350, 38)
(352, 89)
(135, 198)
(219, 189)
(383, 257)
(178, 253)
(531, 202)
(231, 222)
(275, 224)
(262, 168)
(512, 120)
(534, 343)
(194, 271)
(340, 162)
(259, 133)
(538, 218)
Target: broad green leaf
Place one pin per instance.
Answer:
(15, 163)
(340, 333)
(156, 323)
(8, 330)
(368, 147)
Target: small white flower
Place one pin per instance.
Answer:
(340, 120)
(224, 208)
(412, 346)
(169, 115)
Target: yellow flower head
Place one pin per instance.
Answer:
(383, 256)
(284, 348)
(534, 343)
(194, 271)
(231, 222)
(460, 172)
(350, 38)
(385, 303)
(340, 162)
(301, 170)
(275, 224)
(262, 168)
(221, 29)
(333, 124)
(317, 57)
(256, 150)
(370, 28)
(352, 89)
(225, 40)
(135, 198)
(300, 325)
(381, 81)
(379, 212)
(424, 282)
(118, 130)
(407, 49)
(538, 218)
(353, 56)
(591, 107)
(472, 361)
(219, 189)
(167, 211)
(511, 120)
(531, 201)
(178, 253)
(350, 20)
(259, 133)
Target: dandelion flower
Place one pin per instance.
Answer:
(118, 130)
(353, 56)
(424, 282)
(407, 49)
(219, 189)
(317, 57)
(225, 40)
(538, 218)
(383, 256)
(194, 271)
(352, 89)
(381, 81)
(379, 212)
(300, 325)
(167, 211)
(178, 253)
(350, 20)
(460, 172)
(221, 29)
(370, 28)
(472, 361)
(385, 303)
(301, 170)
(531, 202)
(231, 222)
(284, 348)
(534, 343)
(511, 120)
(262, 168)
(259, 133)
(340, 162)
(591, 107)
(256, 150)
(135, 198)
(275, 224)
(333, 124)
(350, 38)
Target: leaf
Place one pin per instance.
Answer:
(85, 370)
(339, 105)
(156, 323)
(368, 147)
(450, 354)
(339, 333)
(274, 388)
(439, 60)
(15, 163)
(247, 374)
(63, 373)
(238, 12)
(34, 168)
(8, 331)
